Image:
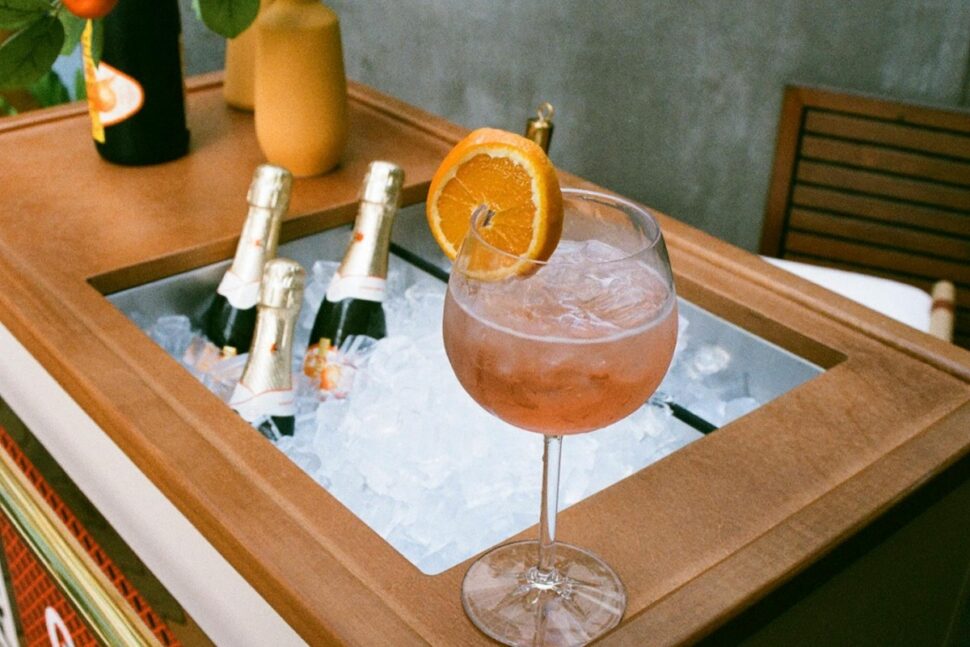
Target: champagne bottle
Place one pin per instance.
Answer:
(353, 303)
(230, 318)
(539, 128)
(264, 395)
(136, 94)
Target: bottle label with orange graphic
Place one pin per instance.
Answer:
(326, 365)
(113, 96)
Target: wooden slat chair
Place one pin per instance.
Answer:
(874, 186)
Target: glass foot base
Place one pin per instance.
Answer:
(510, 601)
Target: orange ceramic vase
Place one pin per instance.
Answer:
(301, 88)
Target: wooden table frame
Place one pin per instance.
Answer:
(696, 537)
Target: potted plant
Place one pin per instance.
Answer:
(40, 30)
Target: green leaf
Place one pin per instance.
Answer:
(228, 18)
(97, 40)
(80, 85)
(49, 90)
(73, 26)
(6, 108)
(17, 13)
(28, 54)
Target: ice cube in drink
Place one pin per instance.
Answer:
(578, 345)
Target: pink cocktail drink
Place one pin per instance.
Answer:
(555, 353)
(559, 346)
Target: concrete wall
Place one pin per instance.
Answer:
(672, 103)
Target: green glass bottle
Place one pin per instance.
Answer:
(264, 395)
(136, 94)
(231, 316)
(353, 304)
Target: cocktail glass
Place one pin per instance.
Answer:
(559, 347)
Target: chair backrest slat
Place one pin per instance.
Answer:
(876, 233)
(879, 209)
(898, 134)
(893, 161)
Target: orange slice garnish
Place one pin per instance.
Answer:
(513, 179)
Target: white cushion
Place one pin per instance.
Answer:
(900, 301)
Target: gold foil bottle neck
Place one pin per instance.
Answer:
(382, 184)
(371, 239)
(270, 188)
(270, 361)
(269, 199)
(539, 128)
(282, 284)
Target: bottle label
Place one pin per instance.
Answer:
(327, 366)
(368, 288)
(90, 83)
(254, 406)
(115, 95)
(239, 293)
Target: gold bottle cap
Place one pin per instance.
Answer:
(270, 187)
(282, 284)
(382, 184)
(539, 128)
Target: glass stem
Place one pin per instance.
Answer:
(551, 453)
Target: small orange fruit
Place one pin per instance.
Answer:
(90, 8)
(507, 174)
